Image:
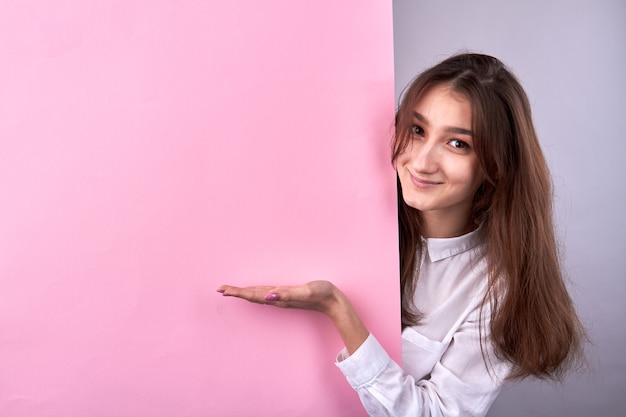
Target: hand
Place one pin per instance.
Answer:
(322, 296)
(318, 296)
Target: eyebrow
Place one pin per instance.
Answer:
(450, 129)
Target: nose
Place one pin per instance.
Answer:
(423, 157)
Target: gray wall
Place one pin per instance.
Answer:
(571, 58)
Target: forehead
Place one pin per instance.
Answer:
(440, 104)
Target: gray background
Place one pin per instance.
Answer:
(571, 58)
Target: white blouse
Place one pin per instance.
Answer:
(444, 372)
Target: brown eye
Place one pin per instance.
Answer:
(417, 130)
(458, 144)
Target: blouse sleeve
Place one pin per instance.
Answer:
(460, 383)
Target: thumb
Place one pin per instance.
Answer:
(275, 295)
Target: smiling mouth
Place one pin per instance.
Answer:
(422, 183)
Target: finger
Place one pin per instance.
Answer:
(289, 294)
(252, 294)
(227, 290)
(272, 296)
(292, 297)
(275, 294)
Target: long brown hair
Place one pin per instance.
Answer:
(533, 322)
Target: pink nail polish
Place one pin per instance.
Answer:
(271, 297)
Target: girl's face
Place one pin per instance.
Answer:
(439, 170)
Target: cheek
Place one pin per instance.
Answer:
(399, 162)
(477, 179)
(468, 174)
(477, 173)
(404, 158)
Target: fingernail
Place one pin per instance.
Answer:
(271, 297)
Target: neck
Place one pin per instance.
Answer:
(437, 225)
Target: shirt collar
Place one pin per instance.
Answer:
(441, 248)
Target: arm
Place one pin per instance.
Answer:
(440, 378)
(459, 383)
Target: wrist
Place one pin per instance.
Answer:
(336, 305)
(346, 320)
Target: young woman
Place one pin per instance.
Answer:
(483, 297)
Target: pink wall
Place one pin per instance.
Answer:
(153, 150)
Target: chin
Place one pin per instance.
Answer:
(416, 204)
